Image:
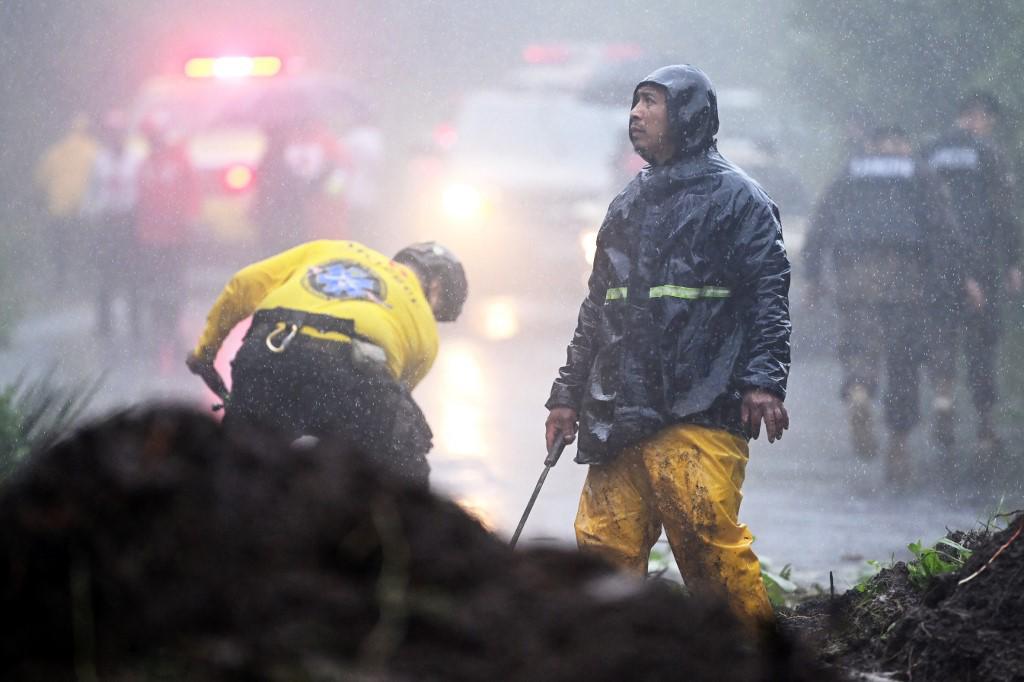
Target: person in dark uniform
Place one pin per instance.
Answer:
(886, 227)
(981, 190)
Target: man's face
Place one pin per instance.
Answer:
(435, 294)
(977, 121)
(648, 125)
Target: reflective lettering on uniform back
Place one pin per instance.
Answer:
(955, 158)
(882, 167)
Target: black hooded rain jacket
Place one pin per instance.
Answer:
(688, 302)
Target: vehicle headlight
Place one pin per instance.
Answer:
(501, 318)
(588, 242)
(462, 202)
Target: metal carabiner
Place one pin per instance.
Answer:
(293, 329)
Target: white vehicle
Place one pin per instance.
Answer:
(518, 162)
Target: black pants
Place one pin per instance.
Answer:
(315, 388)
(889, 337)
(65, 244)
(116, 265)
(976, 332)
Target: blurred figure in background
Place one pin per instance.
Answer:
(62, 177)
(168, 205)
(982, 191)
(857, 128)
(109, 209)
(278, 211)
(300, 188)
(364, 144)
(887, 230)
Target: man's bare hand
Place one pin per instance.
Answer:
(562, 420)
(1014, 280)
(759, 404)
(205, 370)
(975, 294)
(197, 365)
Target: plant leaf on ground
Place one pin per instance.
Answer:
(945, 556)
(778, 585)
(34, 414)
(875, 567)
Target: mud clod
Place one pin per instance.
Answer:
(948, 630)
(154, 545)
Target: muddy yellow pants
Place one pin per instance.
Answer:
(686, 479)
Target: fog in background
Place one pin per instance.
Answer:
(823, 68)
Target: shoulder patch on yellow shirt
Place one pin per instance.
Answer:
(345, 280)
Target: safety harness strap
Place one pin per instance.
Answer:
(322, 323)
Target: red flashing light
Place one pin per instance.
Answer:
(237, 178)
(624, 52)
(232, 67)
(445, 136)
(546, 54)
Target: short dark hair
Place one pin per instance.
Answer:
(979, 99)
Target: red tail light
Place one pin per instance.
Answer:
(237, 178)
(445, 136)
(546, 54)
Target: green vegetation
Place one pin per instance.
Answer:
(780, 588)
(946, 556)
(867, 579)
(907, 61)
(34, 414)
(782, 591)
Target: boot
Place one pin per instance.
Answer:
(943, 423)
(944, 433)
(988, 441)
(862, 435)
(989, 455)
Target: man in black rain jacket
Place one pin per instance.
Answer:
(681, 350)
(982, 192)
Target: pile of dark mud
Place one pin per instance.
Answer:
(966, 625)
(155, 545)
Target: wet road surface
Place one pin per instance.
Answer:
(809, 502)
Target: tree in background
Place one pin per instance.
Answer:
(905, 62)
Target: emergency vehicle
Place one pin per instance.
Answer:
(232, 112)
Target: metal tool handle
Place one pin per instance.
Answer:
(213, 380)
(555, 451)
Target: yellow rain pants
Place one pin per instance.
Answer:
(686, 479)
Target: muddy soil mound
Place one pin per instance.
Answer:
(971, 625)
(154, 545)
(967, 625)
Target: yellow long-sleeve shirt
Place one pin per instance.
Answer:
(342, 279)
(64, 171)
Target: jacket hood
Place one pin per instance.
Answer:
(692, 106)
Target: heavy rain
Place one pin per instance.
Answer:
(273, 270)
